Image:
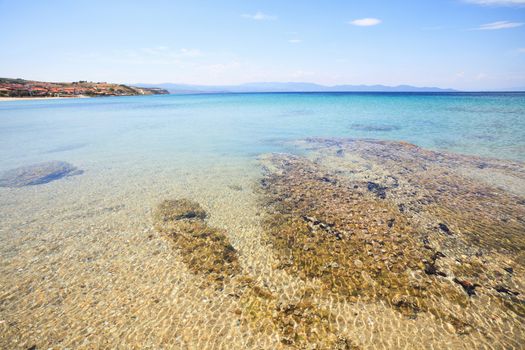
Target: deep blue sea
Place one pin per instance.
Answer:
(200, 127)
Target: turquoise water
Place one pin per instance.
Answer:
(181, 128)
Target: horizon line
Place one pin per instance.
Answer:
(506, 89)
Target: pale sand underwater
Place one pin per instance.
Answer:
(83, 265)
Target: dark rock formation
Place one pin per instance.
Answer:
(206, 250)
(436, 229)
(37, 174)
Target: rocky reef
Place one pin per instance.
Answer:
(37, 174)
(204, 249)
(208, 253)
(388, 222)
(388, 230)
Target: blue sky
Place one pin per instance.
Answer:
(463, 44)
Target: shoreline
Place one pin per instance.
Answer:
(5, 99)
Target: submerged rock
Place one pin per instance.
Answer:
(468, 286)
(377, 189)
(411, 248)
(205, 250)
(502, 289)
(444, 228)
(372, 128)
(37, 174)
(177, 209)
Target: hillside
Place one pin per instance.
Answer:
(289, 87)
(28, 88)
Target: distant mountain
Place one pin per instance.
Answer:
(288, 87)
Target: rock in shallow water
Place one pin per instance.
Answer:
(37, 174)
(206, 250)
(417, 248)
(179, 209)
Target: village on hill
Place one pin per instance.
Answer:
(28, 88)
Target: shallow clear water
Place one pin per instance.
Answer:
(176, 128)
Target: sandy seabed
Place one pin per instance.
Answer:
(83, 266)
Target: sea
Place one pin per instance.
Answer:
(84, 264)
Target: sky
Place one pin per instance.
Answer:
(461, 44)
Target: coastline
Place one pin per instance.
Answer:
(5, 99)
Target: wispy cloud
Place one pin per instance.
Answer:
(190, 52)
(499, 25)
(295, 41)
(164, 51)
(365, 22)
(521, 50)
(159, 55)
(481, 76)
(497, 2)
(259, 16)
